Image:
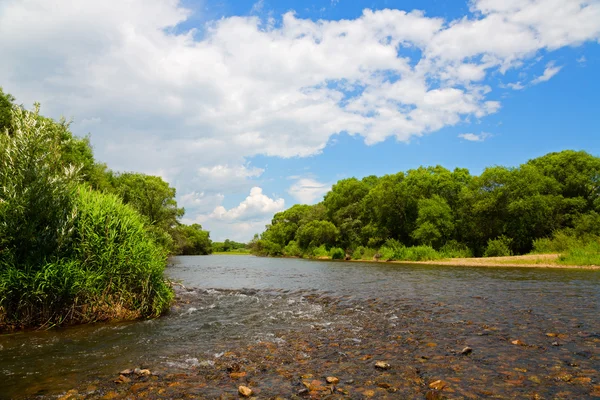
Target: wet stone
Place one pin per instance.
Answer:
(466, 351)
(382, 365)
(245, 391)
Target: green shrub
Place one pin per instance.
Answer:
(36, 199)
(337, 254)
(68, 254)
(357, 254)
(368, 253)
(588, 254)
(292, 250)
(419, 253)
(320, 251)
(112, 270)
(498, 247)
(454, 249)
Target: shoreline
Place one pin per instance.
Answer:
(524, 261)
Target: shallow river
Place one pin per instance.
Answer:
(399, 313)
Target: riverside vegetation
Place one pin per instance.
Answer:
(78, 242)
(550, 204)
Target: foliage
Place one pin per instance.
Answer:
(292, 250)
(499, 247)
(435, 222)
(228, 245)
(315, 233)
(502, 211)
(192, 240)
(454, 249)
(588, 254)
(36, 198)
(337, 254)
(154, 199)
(67, 254)
(320, 251)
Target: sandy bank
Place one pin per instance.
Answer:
(526, 261)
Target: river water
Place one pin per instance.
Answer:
(406, 314)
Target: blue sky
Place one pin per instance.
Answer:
(249, 107)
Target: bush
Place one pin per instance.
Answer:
(112, 271)
(337, 254)
(454, 249)
(499, 247)
(37, 193)
(68, 254)
(292, 250)
(357, 254)
(369, 253)
(420, 253)
(588, 254)
(320, 251)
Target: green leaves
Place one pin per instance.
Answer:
(501, 211)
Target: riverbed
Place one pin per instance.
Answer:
(282, 326)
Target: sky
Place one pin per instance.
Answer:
(250, 107)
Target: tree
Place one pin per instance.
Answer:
(317, 233)
(192, 240)
(154, 199)
(435, 223)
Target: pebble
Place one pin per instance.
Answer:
(438, 385)
(382, 365)
(126, 372)
(122, 379)
(245, 391)
(466, 351)
(332, 380)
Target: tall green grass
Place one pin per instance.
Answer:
(68, 254)
(583, 249)
(113, 271)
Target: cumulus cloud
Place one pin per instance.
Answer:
(308, 191)
(472, 137)
(549, 72)
(200, 102)
(256, 206)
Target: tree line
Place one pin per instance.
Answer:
(432, 212)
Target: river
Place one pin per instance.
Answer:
(284, 324)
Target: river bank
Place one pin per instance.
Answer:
(525, 261)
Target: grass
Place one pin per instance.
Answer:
(582, 255)
(110, 271)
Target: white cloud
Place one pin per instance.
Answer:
(256, 206)
(308, 191)
(472, 137)
(196, 104)
(515, 86)
(549, 72)
(582, 60)
(257, 7)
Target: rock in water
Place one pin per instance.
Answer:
(438, 385)
(245, 391)
(332, 380)
(122, 379)
(382, 365)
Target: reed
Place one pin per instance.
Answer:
(68, 254)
